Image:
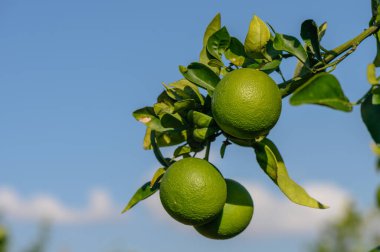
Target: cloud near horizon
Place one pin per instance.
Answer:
(99, 207)
(274, 213)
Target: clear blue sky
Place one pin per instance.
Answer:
(72, 72)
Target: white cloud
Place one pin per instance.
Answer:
(275, 214)
(99, 207)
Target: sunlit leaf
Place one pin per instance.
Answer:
(271, 162)
(182, 151)
(187, 90)
(199, 119)
(142, 193)
(371, 117)
(171, 137)
(218, 43)
(147, 144)
(201, 134)
(371, 74)
(322, 30)
(322, 89)
(184, 105)
(157, 176)
(257, 37)
(291, 45)
(147, 116)
(309, 34)
(200, 75)
(162, 108)
(213, 27)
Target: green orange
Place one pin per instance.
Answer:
(246, 103)
(193, 191)
(235, 216)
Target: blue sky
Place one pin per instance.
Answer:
(72, 72)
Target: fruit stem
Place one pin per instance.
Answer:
(289, 86)
(208, 147)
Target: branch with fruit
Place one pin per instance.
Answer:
(229, 94)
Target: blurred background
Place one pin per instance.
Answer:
(71, 156)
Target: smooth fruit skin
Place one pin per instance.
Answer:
(246, 103)
(235, 217)
(193, 191)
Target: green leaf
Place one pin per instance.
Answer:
(187, 90)
(271, 66)
(200, 75)
(183, 150)
(377, 249)
(215, 63)
(213, 27)
(218, 43)
(142, 193)
(147, 144)
(172, 121)
(201, 134)
(371, 74)
(171, 137)
(291, 45)
(309, 34)
(257, 37)
(199, 119)
(184, 105)
(223, 148)
(322, 30)
(236, 52)
(147, 116)
(162, 108)
(157, 176)
(271, 162)
(376, 60)
(322, 89)
(370, 114)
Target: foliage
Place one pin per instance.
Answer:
(182, 115)
(352, 232)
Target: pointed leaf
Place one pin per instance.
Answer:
(200, 75)
(218, 43)
(147, 116)
(142, 193)
(322, 30)
(371, 117)
(147, 144)
(182, 150)
(236, 52)
(322, 89)
(157, 176)
(291, 45)
(213, 27)
(171, 137)
(199, 119)
(162, 108)
(309, 34)
(273, 165)
(257, 37)
(172, 121)
(223, 148)
(184, 105)
(202, 134)
(371, 74)
(187, 90)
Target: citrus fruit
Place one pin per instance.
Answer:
(235, 216)
(193, 191)
(246, 103)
